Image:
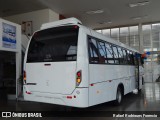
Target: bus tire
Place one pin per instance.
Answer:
(119, 96)
(142, 81)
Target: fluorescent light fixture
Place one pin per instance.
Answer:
(139, 17)
(95, 12)
(139, 4)
(102, 23)
(146, 16)
(109, 22)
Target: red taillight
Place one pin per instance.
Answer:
(92, 84)
(28, 92)
(24, 76)
(75, 26)
(78, 74)
(79, 78)
(69, 97)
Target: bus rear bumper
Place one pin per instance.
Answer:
(79, 98)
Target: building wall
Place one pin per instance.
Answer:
(37, 17)
(53, 16)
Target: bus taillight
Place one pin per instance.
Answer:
(78, 79)
(75, 26)
(24, 76)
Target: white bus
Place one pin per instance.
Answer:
(69, 64)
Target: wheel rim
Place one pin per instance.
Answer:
(119, 97)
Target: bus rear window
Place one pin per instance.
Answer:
(54, 45)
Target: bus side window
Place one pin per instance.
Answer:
(135, 60)
(132, 58)
(115, 51)
(102, 52)
(121, 58)
(109, 51)
(125, 56)
(128, 58)
(93, 51)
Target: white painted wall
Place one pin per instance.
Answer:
(25, 41)
(53, 16)
(37, 17)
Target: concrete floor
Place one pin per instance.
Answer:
(147, 100)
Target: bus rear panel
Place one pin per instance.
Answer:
(50, 68)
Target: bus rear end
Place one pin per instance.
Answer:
(50, 68)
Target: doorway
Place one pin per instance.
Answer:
(7, 75)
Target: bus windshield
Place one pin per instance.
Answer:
(54, 45)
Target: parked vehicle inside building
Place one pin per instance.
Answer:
(69, 64)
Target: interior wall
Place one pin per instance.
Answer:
(53, 16)
(37, 17)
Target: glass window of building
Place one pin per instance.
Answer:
(115, 33)
(130, 36)
(124, 35)
(134, 37)
(146, 29)
(156, 36)
(99, 31)
(106, 32)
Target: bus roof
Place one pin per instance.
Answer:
(67, 21)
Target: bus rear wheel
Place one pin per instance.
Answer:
(119, 96)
